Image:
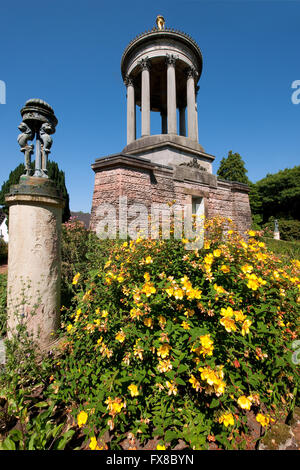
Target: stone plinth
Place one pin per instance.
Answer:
(34, 259)
(146, 182)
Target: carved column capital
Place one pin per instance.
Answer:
(191, 72)
(171, 59)
(129, 81)
(145, 63)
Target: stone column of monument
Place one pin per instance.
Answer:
(131, 121)
(145, 65)
(191, 104)
(35, 215)
(171, 94)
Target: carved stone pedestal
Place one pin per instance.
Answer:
(34, 264)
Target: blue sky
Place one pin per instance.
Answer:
(68, 53)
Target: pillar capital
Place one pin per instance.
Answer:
(171, 59)
(129, 81)
(191, 72)
(145, 63)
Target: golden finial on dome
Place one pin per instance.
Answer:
(160, 22)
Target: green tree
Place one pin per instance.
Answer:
(54, 173)
(280, 194)
(232, 168)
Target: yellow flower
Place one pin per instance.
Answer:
(82, 418)
(247, 268)
(227, 419)
(225, 269)
(87, 296)
(195, 383)
(164, 350)
(228, 324)
(245, 326)
(219, 289)
(206, 345)
(69, 327)
(148, 322)
(178, 293)
(185, 325)
(160, 447)
(253, 282)
(120, 336)
(104, 314)
(227, 312)
(148, 289)
(147, 277)
(93, 444)
(75, 278)
(148, 260)
(133, 390)
(239, 316)
(217, 253)
(171, 386)
(162, 321)
(245, 402)
(251, 233)
(114, 406)
(164, 366)
(263, 420)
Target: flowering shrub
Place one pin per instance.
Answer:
(180, 344)
(162, 342)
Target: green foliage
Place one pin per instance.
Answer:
(163, 342)
(54, 173)
(3, 251)
(3, 285)
(81, 250)
(287, 250)
(280, 195)
(232, 168)
(289, 229)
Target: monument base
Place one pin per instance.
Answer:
(33, 288)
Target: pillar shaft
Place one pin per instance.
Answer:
(191, 105)
(34, 264)
(145, 102)
(131, 120)
(182, 127)
(171, 95)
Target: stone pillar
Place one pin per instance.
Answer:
(164, 123)
(191, 104)
(145, 101)
(196, 113)
(182, 128)
(34, 264)
(171, 94)
(131, 121)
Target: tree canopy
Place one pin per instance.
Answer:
(54, 173)
(232, 168)
(280, 194)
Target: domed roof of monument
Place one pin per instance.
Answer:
(154, 35)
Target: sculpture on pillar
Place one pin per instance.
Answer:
(45, 131)
(38, 122)
(23, 138)
(160, 22)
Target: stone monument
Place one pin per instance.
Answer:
(161, 69)
(35, 215)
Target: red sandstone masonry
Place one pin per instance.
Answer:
(157, 185)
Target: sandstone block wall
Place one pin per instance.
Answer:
(147, 183)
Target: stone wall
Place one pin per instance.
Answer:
(147, 183)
